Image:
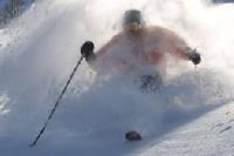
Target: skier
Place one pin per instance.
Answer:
(138, 48)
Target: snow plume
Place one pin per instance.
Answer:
(202, 24)
(43, 46)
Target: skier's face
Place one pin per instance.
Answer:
(134, 26)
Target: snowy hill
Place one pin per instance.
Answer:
(191, 114)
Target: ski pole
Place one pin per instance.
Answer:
(56, 103)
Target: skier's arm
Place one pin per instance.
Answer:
(182, 50)
(176, 45)
(87, 49)
(108, 45)
(179, 48)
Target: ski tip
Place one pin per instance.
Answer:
(133, 136)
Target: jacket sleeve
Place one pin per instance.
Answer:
(95, 59)
(172, 43)
(108, 45)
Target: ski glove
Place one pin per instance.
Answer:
(87, 50)
(194, 56)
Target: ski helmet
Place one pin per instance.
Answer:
(132, 20)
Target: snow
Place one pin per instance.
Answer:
(210, 134)
(191, 114)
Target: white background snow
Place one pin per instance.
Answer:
(192, 114)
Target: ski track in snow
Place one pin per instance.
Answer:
(190, 115)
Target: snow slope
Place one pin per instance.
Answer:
(39, 49)
(210, 134)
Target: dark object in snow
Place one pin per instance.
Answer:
(226, 129)
(150, 83)
(133, 136)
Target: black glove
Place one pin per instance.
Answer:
(87, 50)
(194, 56)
